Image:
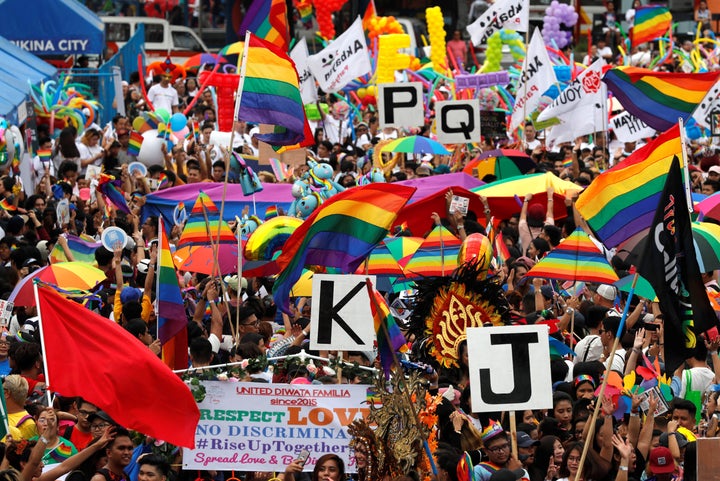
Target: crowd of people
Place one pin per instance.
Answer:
(234, 318)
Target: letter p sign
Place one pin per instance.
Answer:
(509, 368)
(401, 105)
(458, 121)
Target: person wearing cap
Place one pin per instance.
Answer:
(605, 296)
(496, 445)
(714, 173)
(163, 95)
(661, 465)
(125, 294)
(526, 449)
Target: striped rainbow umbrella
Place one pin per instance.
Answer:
(706, 237)
(436, 256)
(416, 144)
(576, 258)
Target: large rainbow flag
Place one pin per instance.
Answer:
(390, 338)
(576, 258)
(659, 98)
(82, 248)
(268, 20)
(621, 201)
(270, 93)
(651, 22)
(171, 317)
(340, 233)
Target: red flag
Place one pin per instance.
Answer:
(90, 356)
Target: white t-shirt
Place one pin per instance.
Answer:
(701, 379)
(163, 97)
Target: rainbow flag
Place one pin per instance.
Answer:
(134, 144)
(110, 188)
(7, 205)
(436, 256)
(164, 132)
(271, 212)
(659, 98)
(279, 169)
(268, 20)
(163, 181)
(270, 93)
(340, 233)
(305, 9)
(171, 317)
(621, 201)
(651, 22)
(82, 248)
(389, 338)
(45, 155)
(576, 258)
(502, 253)
(196, 131)
(370, 13)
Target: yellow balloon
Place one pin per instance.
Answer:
(389, 59)
(436, 32)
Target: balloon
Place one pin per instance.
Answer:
(180, 134)
(389, 58)
(140, 124)
(164, 115)
(150, 151)
(436, 32)
(178, 122)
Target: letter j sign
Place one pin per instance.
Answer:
(509, 368)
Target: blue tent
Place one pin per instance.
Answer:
(19, 69)
(52, 27)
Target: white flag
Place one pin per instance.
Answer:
(586, 117)
(587, 84)
(537, 76)
(299, 55)
(629, 128)
(512, 14)
(709, 103)
(346, 58)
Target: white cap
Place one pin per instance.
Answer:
(606, 291)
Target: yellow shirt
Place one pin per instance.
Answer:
(27, 428)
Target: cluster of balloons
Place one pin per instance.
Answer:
(367, 95)
(493, 54)
(389, 58)
(61, 104)
(323, 13)
(436, 32)
(383, 26)
(557, 24)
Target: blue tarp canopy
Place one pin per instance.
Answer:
(52, 27)
(19, 69)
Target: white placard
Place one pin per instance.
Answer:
(509, 368)
(114, 236)
(263, 427)
(458, 121)
(341, 318)
(629, 128)
(459, 204)
(401, 105)
(6, 308)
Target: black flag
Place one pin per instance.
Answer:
(669, 264)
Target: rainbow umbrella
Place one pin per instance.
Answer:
(268, 239)
(402, 248)
(642, 287)
(436, 256)
(66, 275)
(416, 144)
(195, 252)
(505, 197)
(709, 206)
(381, 262)
(576, 258)
(235, 48)
(502, 163)
(204, 59)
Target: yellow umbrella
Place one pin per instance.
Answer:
(505, 197)
(303, 287)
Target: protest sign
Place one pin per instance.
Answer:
(509, 368)
(263, 427)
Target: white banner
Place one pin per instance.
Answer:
(511, 14)
(587, 84)
(537, 76)
(340, 317)
(346, 58)
(509, 368)
(263, 427)
(299, 55)
(709, 103)
(629, 128)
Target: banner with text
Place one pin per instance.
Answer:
(629, 128)
(264, 427)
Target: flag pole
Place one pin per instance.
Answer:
(157, 276)
(239, 291)
(686, 167)
(238, 95)
(42, 341)
(411, 405)
(591, 429)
